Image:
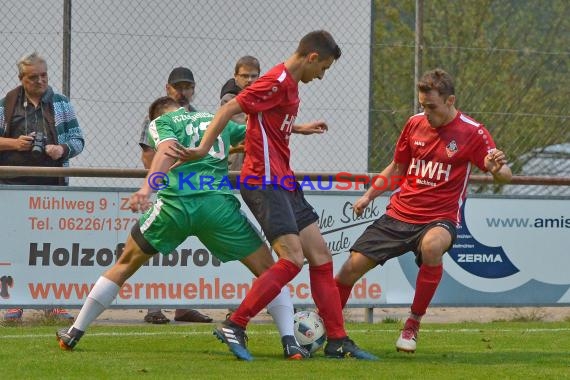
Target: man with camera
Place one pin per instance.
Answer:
(38, 127)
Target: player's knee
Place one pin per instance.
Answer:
(433, 246)
(298, 261)
(257, 268)
(293, 255)
(431, 254)
(352, 269)
(131, 259)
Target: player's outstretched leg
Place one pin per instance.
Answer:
(68, 338)
(292, 349)
(409, 336)
(346, 348)
(235, 338)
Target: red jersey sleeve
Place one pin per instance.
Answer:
(264, 94)
(482, 145)
(403, 153)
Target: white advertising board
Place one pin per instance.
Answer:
(56, 243)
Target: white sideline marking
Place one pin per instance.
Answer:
(391, 331)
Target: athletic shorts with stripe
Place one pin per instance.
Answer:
(388, 237)
(215, 219)
(278, 211)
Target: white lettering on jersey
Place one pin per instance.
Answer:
(429, 169)
(182, 117)
(446, 171)
(218, 149)
(287, 125)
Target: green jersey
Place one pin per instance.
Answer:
(207, 174)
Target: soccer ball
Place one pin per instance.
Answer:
(309, 330)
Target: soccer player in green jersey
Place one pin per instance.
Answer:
(194, 199)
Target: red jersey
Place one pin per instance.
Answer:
(271, 104)
(438, 163)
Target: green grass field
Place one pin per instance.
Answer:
(497, 350)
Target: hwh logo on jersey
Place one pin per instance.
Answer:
(287, 124)
(421, 169)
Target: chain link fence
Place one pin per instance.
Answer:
(122, 52)
(511, 64)
(510, 60)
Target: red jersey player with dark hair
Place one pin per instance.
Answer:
(275, 199)
(435, 152)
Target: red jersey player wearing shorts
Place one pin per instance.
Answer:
(435, 152)
(268, 187)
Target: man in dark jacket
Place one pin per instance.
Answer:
(38, 127)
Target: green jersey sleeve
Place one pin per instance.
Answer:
(161, 129)
(237, 132)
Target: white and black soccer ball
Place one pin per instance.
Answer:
(309, 330)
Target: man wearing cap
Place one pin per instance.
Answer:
(180, 87)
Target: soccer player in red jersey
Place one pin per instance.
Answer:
(435, 152)
(268, 186)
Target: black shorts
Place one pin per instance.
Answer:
(279, 211)
(388, 237)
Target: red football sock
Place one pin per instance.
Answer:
(326, 297)
(344, 292)
(426, 285)
(264, 290)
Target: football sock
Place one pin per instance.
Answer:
(282, 311)
(264, 289)
(326, 297)
(100, 297)
(344, 292)
(426, 284)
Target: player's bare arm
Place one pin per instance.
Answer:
(496, 164)
(140, 201)
(217, 125)
(392, 170)
(318, 126)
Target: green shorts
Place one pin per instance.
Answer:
(215, 219)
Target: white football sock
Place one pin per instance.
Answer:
(100, 297)
(281, 310)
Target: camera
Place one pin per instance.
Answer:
(38, 145)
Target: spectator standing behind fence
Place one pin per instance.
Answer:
(180, 87)
(435, 152)
(38, 127)
(288, 220)
(211, 213)
(246, 71)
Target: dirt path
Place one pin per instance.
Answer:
(434, 315)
